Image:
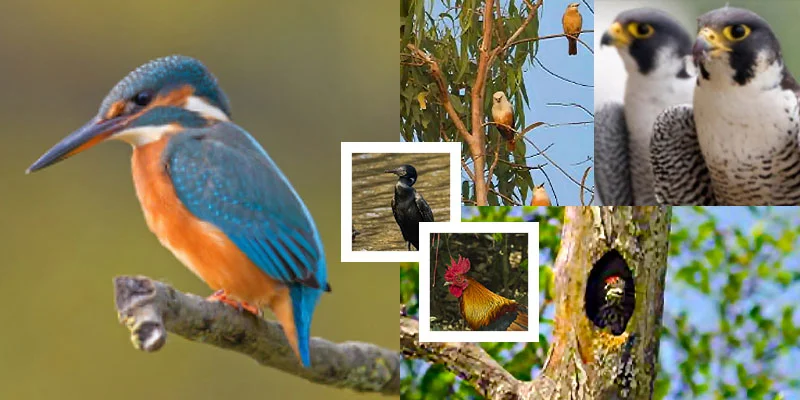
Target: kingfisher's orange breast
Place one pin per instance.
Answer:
(199, 245)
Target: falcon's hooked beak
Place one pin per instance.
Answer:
(94, 132)
(615, 36)
(709, 44)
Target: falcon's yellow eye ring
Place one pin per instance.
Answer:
(736, 33)
(641, 31)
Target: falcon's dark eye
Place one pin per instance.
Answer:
(143, 98)
(640, 31)
(736, 32)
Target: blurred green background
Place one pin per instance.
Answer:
(301, 77)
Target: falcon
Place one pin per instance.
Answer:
(572, 23)
(503, 117)
(655, 50)
(737, 144)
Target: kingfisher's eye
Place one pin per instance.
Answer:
(143, 98)
(736, 32)
(640, 31)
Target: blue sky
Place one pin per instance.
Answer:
(571, 144)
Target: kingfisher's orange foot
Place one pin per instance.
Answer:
(221, 297)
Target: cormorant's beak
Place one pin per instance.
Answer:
(708, 43)
(397, 171)
(615, 36)
(94, 132)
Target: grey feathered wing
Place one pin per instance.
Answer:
(680, 173)
(612, 175)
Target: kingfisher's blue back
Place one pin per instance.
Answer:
(223, 176)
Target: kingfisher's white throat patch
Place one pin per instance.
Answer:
(202, 107)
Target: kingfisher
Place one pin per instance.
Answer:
(211, 193)
(737, 143)
(656, 51)
(408, 206)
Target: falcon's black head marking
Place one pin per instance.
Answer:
(646, 32)
(737, 37)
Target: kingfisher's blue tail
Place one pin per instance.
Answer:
(304, 299)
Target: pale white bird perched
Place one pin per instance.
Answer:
(503, 117)
(655, 50)
(738, 142)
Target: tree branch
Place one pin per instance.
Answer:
(538, 38)
(150, 308)
(468, 360)
(436, 73)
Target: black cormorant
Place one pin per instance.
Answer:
(408, 206)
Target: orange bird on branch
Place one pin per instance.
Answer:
(573, 23)
(540, 197)
(503, 117)
(480, 307)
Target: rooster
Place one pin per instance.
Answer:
(480, 307)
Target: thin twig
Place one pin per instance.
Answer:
(554, 164)
(510, 200)
(524, 167)
(538, 38)
(583, 183)
(559, 76)
(469, 172)
(588, 6)
(572, 105)
(496, 157)
(552, 189)
(568, 124)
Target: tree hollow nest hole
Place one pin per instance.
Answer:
(610, 293)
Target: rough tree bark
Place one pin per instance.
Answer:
(584, 362)
(150, 308)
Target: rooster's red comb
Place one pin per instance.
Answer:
(458, 267)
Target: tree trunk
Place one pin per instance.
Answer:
(590, 363)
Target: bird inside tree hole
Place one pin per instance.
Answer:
(610, 293)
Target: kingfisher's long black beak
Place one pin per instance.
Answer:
(94, 132)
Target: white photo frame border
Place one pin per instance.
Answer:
(429, 228)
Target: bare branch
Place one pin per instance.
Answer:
(555, 165)
(468, 360)
(538, 38)
(572, 105)
(494, 162)
(583, 183)
(541, 64)
(506, 198)
(150, 308)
